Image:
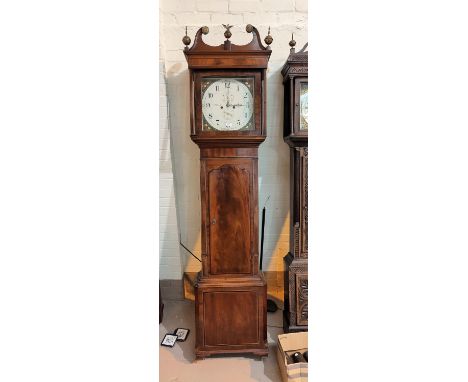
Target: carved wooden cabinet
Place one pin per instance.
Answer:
(295, 135)
(228, 106)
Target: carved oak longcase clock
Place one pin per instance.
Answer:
(228, 105)
(295, 134)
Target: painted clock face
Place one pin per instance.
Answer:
(228, 104)
(304, 107)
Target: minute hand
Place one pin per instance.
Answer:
(227, 103)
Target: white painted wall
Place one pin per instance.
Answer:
(169, 253)
(284, 17)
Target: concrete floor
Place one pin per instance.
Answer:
(178, 364)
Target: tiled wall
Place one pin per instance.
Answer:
(182, 162)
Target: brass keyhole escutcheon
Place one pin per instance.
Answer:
(213, 221)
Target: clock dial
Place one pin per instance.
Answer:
(304, 107)
(227, 104)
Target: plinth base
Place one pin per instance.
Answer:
(230, 316)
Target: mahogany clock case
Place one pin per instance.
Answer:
(230, 291)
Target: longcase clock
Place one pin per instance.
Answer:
(294, 73)
(228, 105)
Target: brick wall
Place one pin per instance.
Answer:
(284, 17)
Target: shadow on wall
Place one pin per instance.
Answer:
(273, 171)
(186, 166)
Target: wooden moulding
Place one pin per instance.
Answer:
(227, 55)
(227, 141)
(228, 152)
(296, 64)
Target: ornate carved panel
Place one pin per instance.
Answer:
(301, 302)
(296, 290)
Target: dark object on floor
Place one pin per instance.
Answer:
(271, 306)
(169, 340)
(181, 334)
(297, 357)
(161, 305)
(306, 355)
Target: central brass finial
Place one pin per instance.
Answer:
(268, 39)
(228, 33)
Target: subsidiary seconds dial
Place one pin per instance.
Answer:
(227, 104)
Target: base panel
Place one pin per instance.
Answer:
(231, 318)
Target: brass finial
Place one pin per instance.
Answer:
(268, 39)
(205, 29)
(249, 28)
(228, 33)
(292, 43)
(186, 39)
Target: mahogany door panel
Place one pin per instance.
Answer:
(231, 318)
(229, 216)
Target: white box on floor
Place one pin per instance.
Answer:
(290, 342)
